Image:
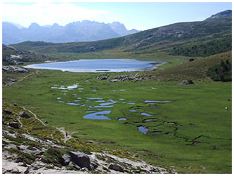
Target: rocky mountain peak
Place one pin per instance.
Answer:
(78, 31)
(223, 14)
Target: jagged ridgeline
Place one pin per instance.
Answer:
(72, 32)
(202, 38)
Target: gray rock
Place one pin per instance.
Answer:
(4, 171)
(186, 82)
(66, 160)
(35, 166)
(9, 146)
(80, 159)
(84, 169)
(27, 170)
(22, 147)
(7, 111)
(34, 150)
(24, 114)
(114, 80)
(14, 171)
(77, 167)
(13, 69)
(103, 77)
(93, 166)
(14, 125)
(116, 167)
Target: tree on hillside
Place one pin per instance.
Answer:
(221, 72)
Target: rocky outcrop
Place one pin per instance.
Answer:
(102, 77)
(224, 14)
(66, 160)
(186, 82)
(14, 125)
(80, 159)
(7, 111)
(13, 69)
(26, 153)
(116, 167)
(129, 78)
(24, 114)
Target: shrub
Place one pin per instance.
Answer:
(221, 72)
(54, 155)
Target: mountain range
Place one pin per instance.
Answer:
(201, 38)
(72, 32)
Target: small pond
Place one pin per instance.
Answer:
(143, 129)
(98, 115)
(99, 65)
(122, 119)
(145, 114)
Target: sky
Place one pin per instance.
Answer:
(134, 15)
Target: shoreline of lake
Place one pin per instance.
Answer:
(99, 65)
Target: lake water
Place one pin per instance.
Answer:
(99, 65)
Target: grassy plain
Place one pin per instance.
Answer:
(195, 129)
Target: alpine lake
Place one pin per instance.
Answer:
(185, 128)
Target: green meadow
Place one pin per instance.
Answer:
(189, 129)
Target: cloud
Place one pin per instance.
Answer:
(45, 13)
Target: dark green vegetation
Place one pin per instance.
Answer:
(191, 133)
(204, 48)
(221, 72)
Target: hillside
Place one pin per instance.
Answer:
(72, 32)
(188, 38)
(196, 70)
(13, 56)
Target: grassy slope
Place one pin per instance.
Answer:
(202, 105)
(162, 39)
(196, 70)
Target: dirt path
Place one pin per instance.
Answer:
(66, 135)
(35, 116)
(24, 77)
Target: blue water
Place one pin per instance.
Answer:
(122, 119)
(98, 115)
(98, 65)
(145, 114)
(143, 129)
(149, 101)
(72, 103)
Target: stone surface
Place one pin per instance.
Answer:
(7, 111)
(13, 69)
(66, 160)
(14, 125)
(80, 159)
(116, 167)
(186, 82)
(24, 114)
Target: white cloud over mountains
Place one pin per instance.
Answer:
(45, 13)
